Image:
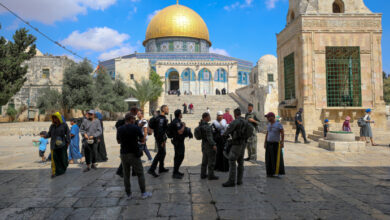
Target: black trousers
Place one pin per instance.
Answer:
(90, 151)
(300, 129)
(179, 154)
(271, 157)
(160, 156)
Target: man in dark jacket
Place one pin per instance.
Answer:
(128, 136)
(177, 129)
(299, 127)
(160, 126)
(209, 148)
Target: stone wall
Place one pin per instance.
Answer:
(43, 72)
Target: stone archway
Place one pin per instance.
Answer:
(205, 82)
(172, 79)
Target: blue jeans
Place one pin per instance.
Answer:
(146, 150)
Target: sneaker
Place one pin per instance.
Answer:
(213, 178)
(307, 142)
(94, 166)
(239, 183)
(181, 174)
(163, 170)
(203, 177)
(228, 184)
(129, 195)
(297, 142)
(86, 169)
(146, 195)
(247, 159)
(154, 174)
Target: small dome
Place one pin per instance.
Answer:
(177, 21)
(267, 59)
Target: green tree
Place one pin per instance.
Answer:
(78, 90)
(11, 112)
(386, 88)
(110, 96)
(156, 80)
(12, 56)
(145, 91)
(49, 100)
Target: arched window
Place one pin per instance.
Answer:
(292, 16)
(239, 78)
(220, 75)
(188, 75)
(205, 75)
(338, 6)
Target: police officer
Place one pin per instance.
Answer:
(209, 148)
(252, 141)
(237, 151)
(178, 142)
(160, 126)
(299, 127)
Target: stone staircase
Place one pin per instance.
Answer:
(214, 102)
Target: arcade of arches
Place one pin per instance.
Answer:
(203, 81)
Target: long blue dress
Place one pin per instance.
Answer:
(74, 147)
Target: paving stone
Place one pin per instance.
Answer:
(60, 213)
(106, 213)
(67, 202)
(81, 213)
(204, 211)
(105, 202)
(174, 210)
(141, 211)
(84, 202)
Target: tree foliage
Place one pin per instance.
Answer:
(49, 100)
(156, 80)
(145, 91)
(386, 88)
(12, 55)
(110, 96)
(78, 90)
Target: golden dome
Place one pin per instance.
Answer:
(177, 21)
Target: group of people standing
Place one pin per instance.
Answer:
(63, 139)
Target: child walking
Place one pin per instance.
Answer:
(42, 145)
(326, 127)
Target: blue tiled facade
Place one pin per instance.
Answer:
(244, 67)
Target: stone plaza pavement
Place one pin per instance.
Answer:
(318, 185)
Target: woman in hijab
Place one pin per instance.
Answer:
(101, 155)
(60, 140)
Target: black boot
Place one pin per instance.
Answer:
(228, 184)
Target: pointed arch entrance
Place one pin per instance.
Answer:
(172, 80)
(205, 81)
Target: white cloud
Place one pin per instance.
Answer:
(246, 4)
(95, 39)
(219, 51)
(151, 16)
(50, 11)
(122, 51)
(270, 4)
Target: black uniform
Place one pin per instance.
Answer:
(178, 143)
(299, 127)
(160, 126)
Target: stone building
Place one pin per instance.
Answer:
(262, 91)
(177, 47)
(330, 62)
(44, 71)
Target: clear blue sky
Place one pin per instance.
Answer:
(100, 29)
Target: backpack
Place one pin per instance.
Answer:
(198, 133)
(361, 122)
(152, 123)
(170, 130)
(246, 130)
